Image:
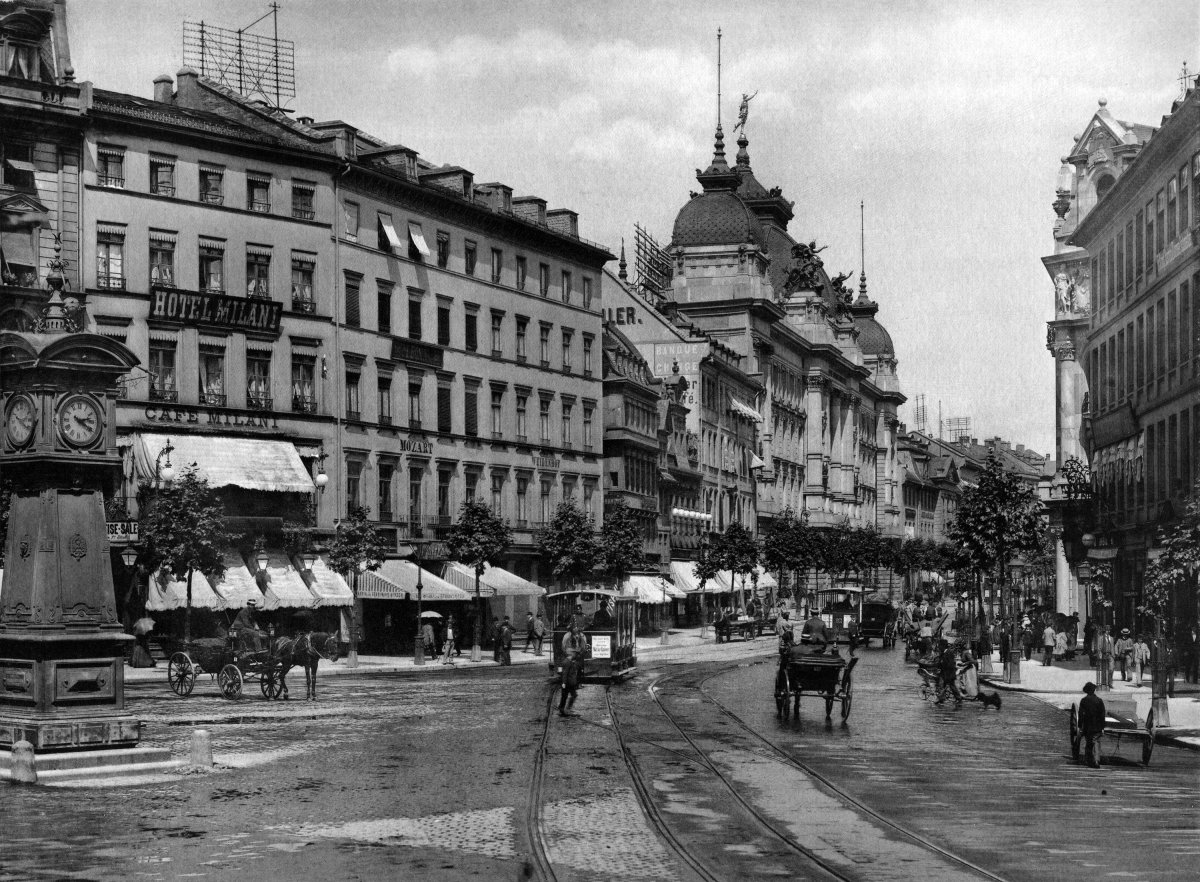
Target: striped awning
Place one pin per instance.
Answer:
(685, 578)
(397, 580)
(207, 244)
(165, 592)
(765, 579)
(163, 236)
(327, 586)
(495, 581)
(283, 584)
(105, 228)
(652, 589)
(259, 250)
(250, 463)
(237, 585)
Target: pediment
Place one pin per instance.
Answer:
(23, 204)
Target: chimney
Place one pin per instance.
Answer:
(187, 91)
(530, 208)
(304, 120)
(164, 87)
(563, 220)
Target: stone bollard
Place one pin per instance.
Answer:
(23, 769)
(202, 755)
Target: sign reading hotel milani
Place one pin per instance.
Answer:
(199, 309)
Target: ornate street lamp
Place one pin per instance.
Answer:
(352, 655)
(419, 649)
(307, 560)
(262, 560)
(165, 471)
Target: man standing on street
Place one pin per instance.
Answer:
(1091, 722)
(1048, 636)
(528, 631)
(539, 634)
(1124, 653)
(506, 633)
(1104, 654)
(574, 647)
(494, 634)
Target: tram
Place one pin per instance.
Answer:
(607, 618)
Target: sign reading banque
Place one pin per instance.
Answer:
(196, 309)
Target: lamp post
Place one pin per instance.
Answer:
(165, 471)
(419, 649)
(129, 557)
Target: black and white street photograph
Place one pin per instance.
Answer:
(800, 397)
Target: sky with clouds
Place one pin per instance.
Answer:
(947, 119)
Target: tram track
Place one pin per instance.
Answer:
(533, 808)
(645, 785)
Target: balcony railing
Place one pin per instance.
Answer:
(385, 514)
(385, 419)
(111, 181)
(259, 206)
(164, 393)
(257, 290)
(304, 403)
(303, 213)
(113, 282)
(354, 415)
(162, 275)
(302, 299)
(212, 399)
(255, 401)
(163, 189)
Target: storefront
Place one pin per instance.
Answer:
(389, 598)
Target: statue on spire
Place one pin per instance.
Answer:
(744, 111)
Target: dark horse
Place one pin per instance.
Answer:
(305, 650)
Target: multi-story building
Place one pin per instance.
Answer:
(1099, 157)
(1141, 352)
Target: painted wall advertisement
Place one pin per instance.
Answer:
(663, 359)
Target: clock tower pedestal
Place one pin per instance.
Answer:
(62, 645)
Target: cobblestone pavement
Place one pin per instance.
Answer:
(997, 788)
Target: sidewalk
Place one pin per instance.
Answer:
(680, 643)
(1061, 684)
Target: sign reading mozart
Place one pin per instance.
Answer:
(198, 309)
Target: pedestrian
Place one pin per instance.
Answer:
(1140, 658)
(506, 632)
(1060, 646)
(448, 641)
(539, 634)
(1123, 651)
(1091, 721)
(948, 670)
(528, 631)
(1089, 640)
(1105, 650)
(494, 636)
(1027, 640)
(1191, 653)
(574, 648)
(1047, 645)
(428, 640)
(783, 625)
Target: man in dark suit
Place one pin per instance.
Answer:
(1091, 723)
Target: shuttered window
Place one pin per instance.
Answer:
(353, 319)
(472, 332)
(444, 413)
(471, 412)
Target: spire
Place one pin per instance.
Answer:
(743, 156)
(623, 271)
(862, 245)
(718, 176)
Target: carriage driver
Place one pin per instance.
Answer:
(250, 635)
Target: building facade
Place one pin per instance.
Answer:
(1141, 352)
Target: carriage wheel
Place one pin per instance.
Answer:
(781, 693)
(229, 678)
(1075, 737)
(181, 674)
(271, 685)
(1148, 744)
(331, 649)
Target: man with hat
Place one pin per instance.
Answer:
(1104, 655)
(249, 634)
(1124, 652)
(1091, 723)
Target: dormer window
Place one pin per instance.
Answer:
(20, 59)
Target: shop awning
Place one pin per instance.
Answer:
(329, 588)
(685, 578)
(765, 579)
(397, 580)
(652, 589)
(495, 581)
(165, 592)
(251, 463)
(237, 585)
(284, 587)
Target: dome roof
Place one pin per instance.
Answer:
(717, 217)
(873, 337)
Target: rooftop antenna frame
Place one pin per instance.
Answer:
(253, 65)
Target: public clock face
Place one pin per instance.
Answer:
(19, 423)
(79, 421)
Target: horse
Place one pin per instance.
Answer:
(305, 650)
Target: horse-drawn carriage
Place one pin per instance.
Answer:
(231, 663)
(811, 670)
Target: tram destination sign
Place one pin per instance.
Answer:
(203, 309)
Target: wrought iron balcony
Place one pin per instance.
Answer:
(111, 181)
(303, 213)
(212, 399)
(164, 393)
(259, 206)
(255, 401)
(163, 189)
(302, 299)
(304, 403)
(110, 281)
(257, 289)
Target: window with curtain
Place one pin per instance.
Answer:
(110, 260)
(353, 405)
(162, 262)
(304, 388)
(212, 261)
(258, 275)
(212, 376)
(258, 380)
(416, 477)
(162, 371)
(385, 401)
(162, 175)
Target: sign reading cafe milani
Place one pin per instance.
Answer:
(198, 309)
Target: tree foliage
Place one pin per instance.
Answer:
(356, 543)
(622, 548)
(791, 545)
(183, 530)
(1178, 562)
(568, 543)
(707, 563)
(479, 537)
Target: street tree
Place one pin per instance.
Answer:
(183, 530)
(737, 551)
(356, 547)
(782, 546)
(705, 568)
(568, 544)
(622, 548)
(1175, 566)
(998, 520)
(478, 538)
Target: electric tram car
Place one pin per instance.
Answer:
(607, 619)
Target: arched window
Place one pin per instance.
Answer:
(1103, 185)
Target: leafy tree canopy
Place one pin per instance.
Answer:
(622, 548)
(998, 519)
(356, 542)
(568, 543)
(736, 549)
(1179, 560)
(479, 537)
(183, 528)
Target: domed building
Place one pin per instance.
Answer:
(823, 427)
